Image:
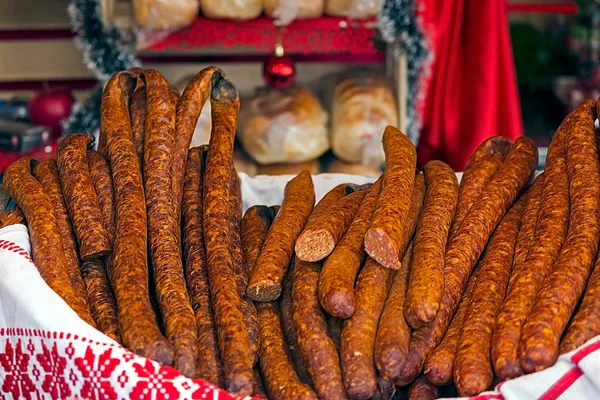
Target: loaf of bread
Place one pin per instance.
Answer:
(232, 9)
(337, 166)
(283, 126)
(355, 9)
(363, 105)
(164, 14)
(300, 9)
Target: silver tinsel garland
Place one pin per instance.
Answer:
(104, 52)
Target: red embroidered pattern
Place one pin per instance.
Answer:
(37, 364)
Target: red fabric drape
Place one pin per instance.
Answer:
(472, 93)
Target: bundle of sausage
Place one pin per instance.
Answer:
(410, 283)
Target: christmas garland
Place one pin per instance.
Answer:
(104, 52)
(399, 25)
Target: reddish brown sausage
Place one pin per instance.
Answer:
(358, 336)
(274, 258)
(45, 234)
(565, 284)
(393, 333)
(315, 345)
(382, 240)
(277, 369)
(319, 238)
(472, 184)
(239, 263)
(189, 108)
(103, 185)
(426, 284)
(291, 336)
(101, 298)
(472, 365)
(336, 282)
(468, 244)
(492, 145)
(440, 364)
(194, 254)
(46, 172)
(11, 217)
(137, 112)
(255, 226)
(164, 226)
(527, 272)
(229, 319)
(80, 196)
(129, 272)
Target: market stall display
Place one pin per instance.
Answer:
(244, 286)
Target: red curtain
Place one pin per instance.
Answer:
(472, 92)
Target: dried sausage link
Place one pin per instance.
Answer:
(101, 299)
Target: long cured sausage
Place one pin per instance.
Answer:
(164, 226)
(80, 196)
(382, 240)
(189, 107)
(427, 272)
(129, 272)
(11, 217)
(232, 334)
(137, 112)
(278, 372)
(336, 281)
(473, 372)
(196, 274)
(440, 364)
(393, 333)
(492, 145)
(358, 335)
(466, 247)
(46, 242)
(298, 201)
(316, 347)
(530, 267)
(565, 284)
(255, 227)
(46, 172)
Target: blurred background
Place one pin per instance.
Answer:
(319, 79)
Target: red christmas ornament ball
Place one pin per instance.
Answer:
(50, 108)
(279, 71)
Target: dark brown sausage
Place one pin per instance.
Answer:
(315, 345)
(259, 387)
(468, 244)
(472, 365)
(229, 319)
(255, 226)
(164, 226)
(103, 185)
(80, 197)
(565, 284)
(472, 184)
(382, 240)
(129, 272)
(189, 108)
(274, 258)
(426, 282)
(393, 333)
(4, 197)
(239, 263)
(291, 336)
(46, 241)
(101, 298)
(440, 364)
(137, 112)
(277, 369)
(46, 172)
(194, 253)
(11, 217)
(529, 267)
(319, 238)
(358, 336)
(334, 327)
(336, 281)
(422, 389)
